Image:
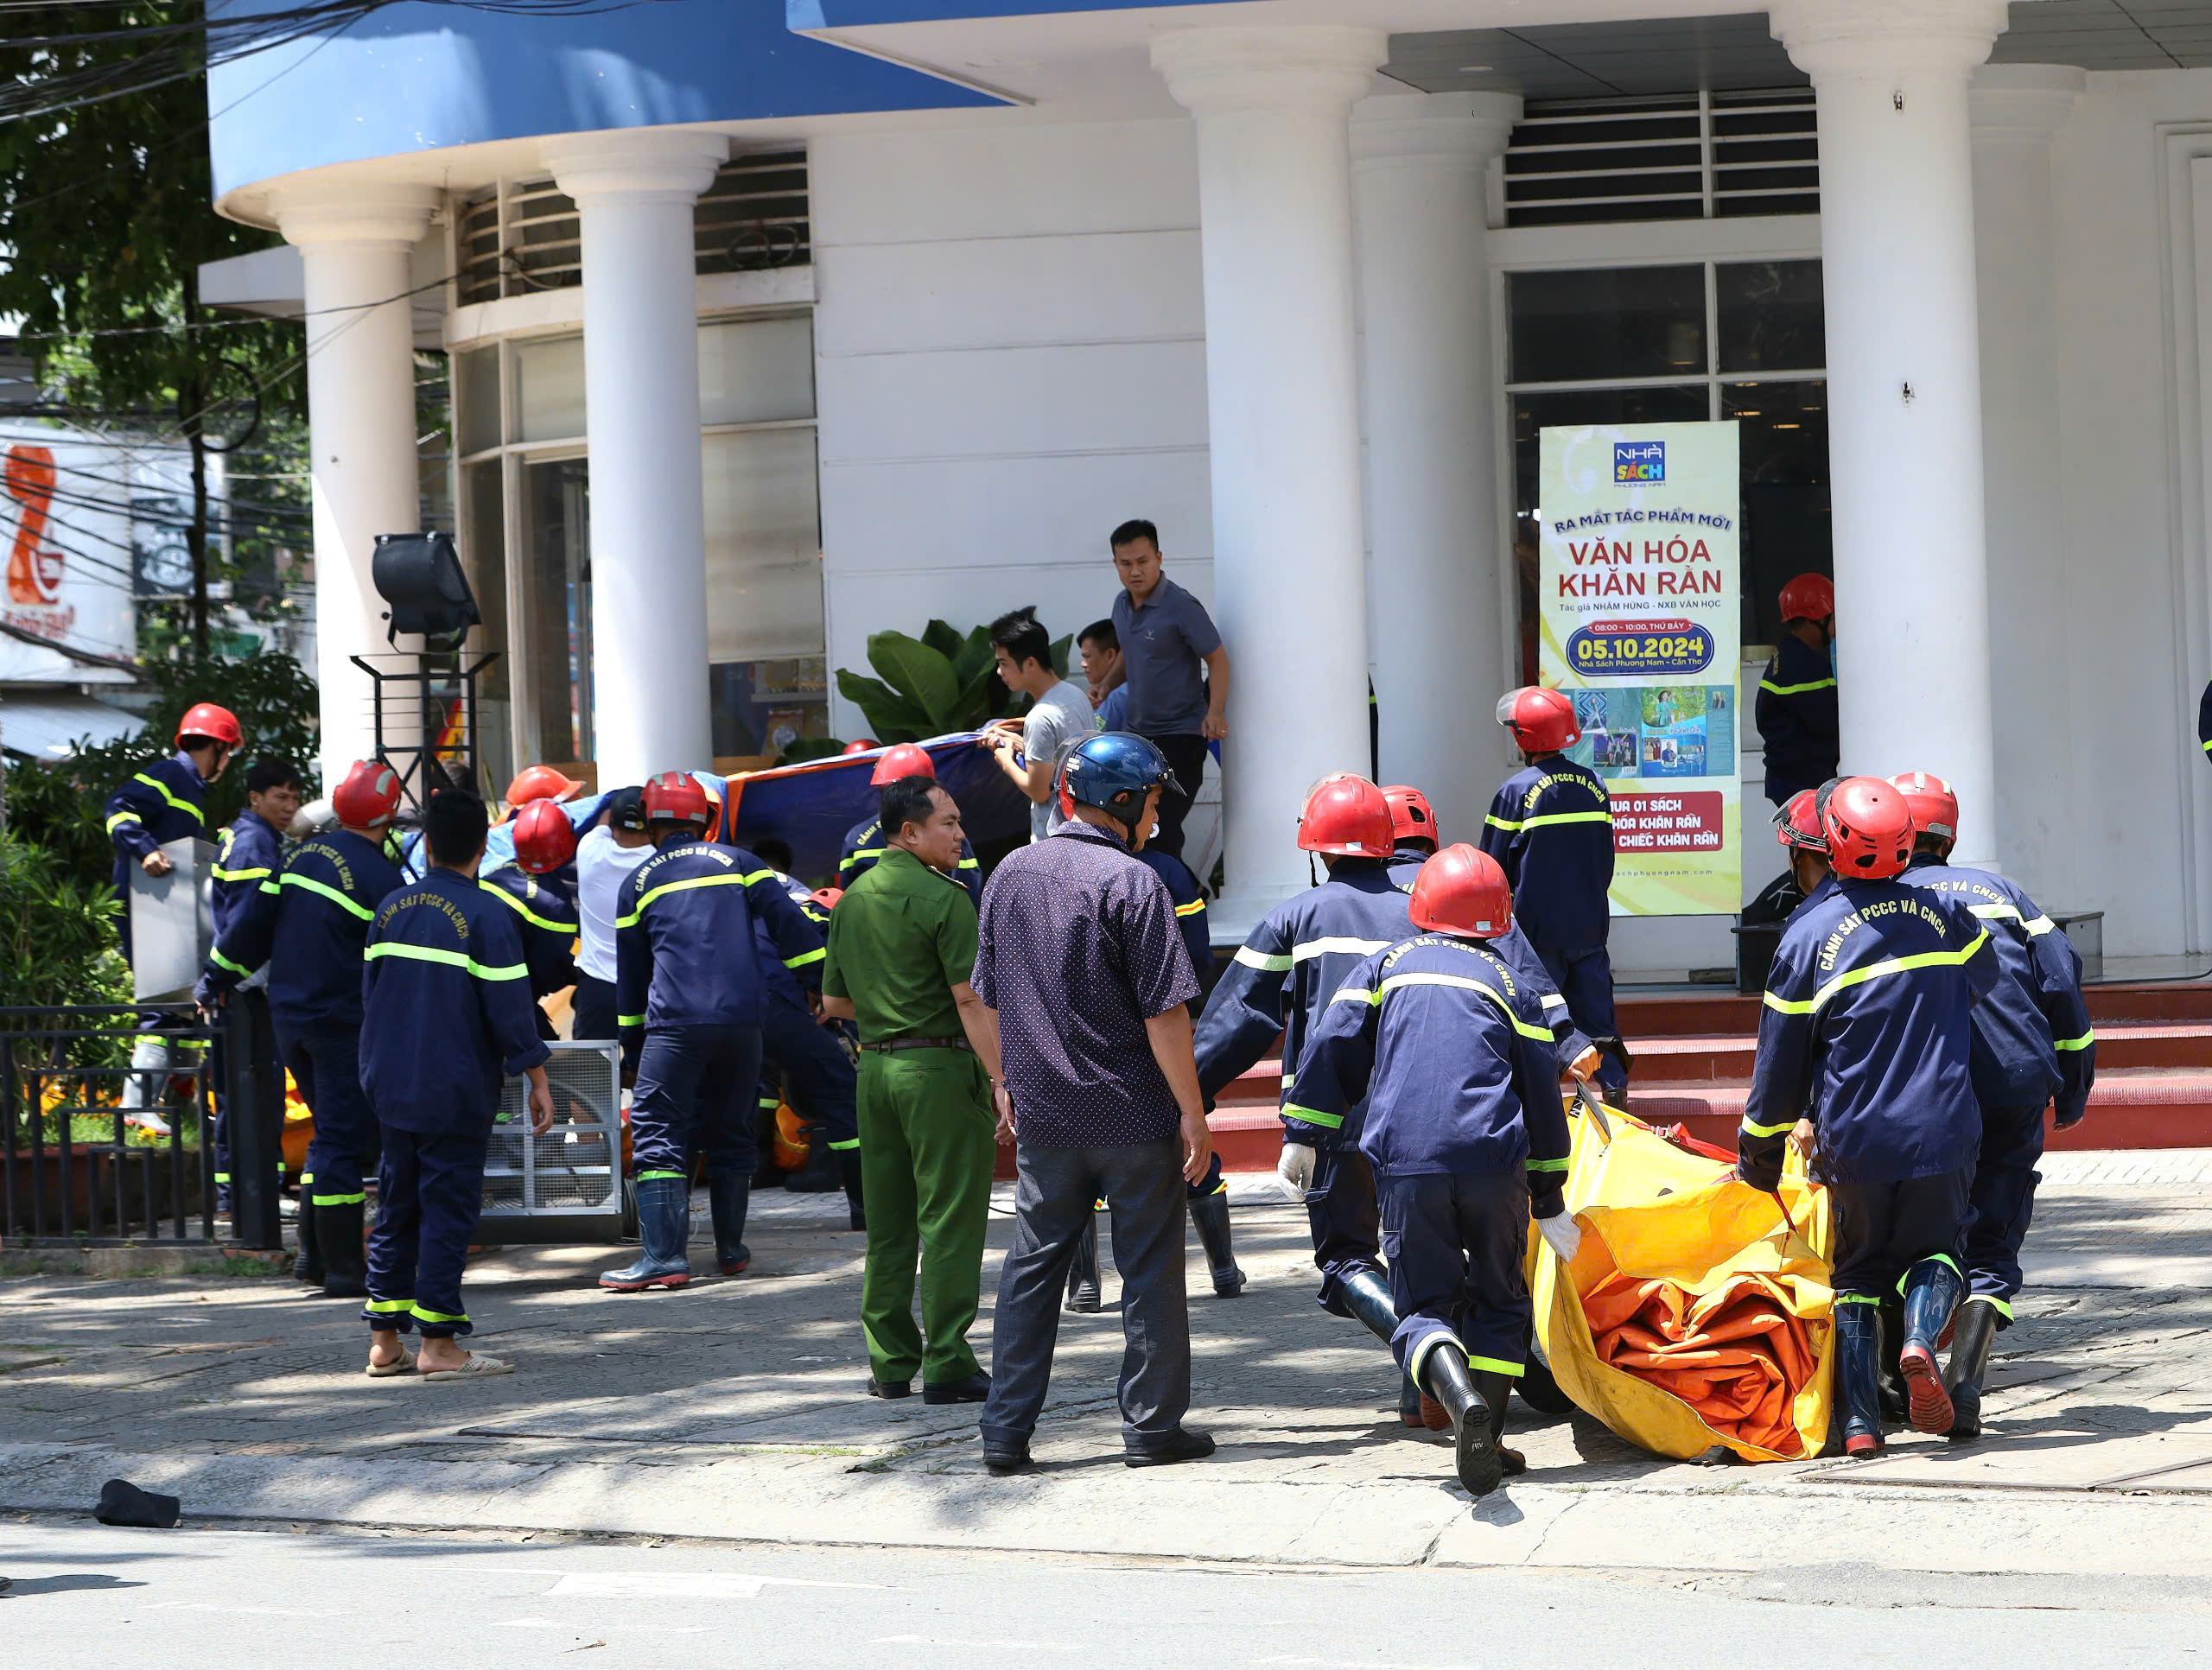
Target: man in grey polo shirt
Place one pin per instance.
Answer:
(1176, 668)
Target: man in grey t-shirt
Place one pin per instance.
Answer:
(1030, 749)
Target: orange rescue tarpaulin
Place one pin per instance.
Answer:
(1697, 1310)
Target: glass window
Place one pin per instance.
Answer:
(1770, 316)
(756, 370)
(1787, 527)
(476, 395)
(549, 389)
(1606, 324)
(556, 609)
(484, 554)
(764, 546)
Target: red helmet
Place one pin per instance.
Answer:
(1809, 597)
(205, 718)
(545, 839)
(1542, 721)
(676, 798)
(369, 798)
(1345, 814)
(826, 898)
(862, 745)
(1934, 808)
(540, 783)
(1798, 824)
(1412, 818)
(902, 759)
(1869, 828)
(1461, 890)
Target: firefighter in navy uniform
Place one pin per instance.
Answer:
(864, 840)
(540, 888)
(252, 853)
(1797, 706)
(1279, 981)
(445, 1020)
(1550, 829)
(164, 800)
(2033, 1045)
(1208, 1198)
(326, 900)
(1867, 1037)
(689, 996)
(1450, 1052)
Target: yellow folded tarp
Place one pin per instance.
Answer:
(1694, 1314)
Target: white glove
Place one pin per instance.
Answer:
(1562, 1235)
(1296, 1167)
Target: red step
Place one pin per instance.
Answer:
(2121, 1043)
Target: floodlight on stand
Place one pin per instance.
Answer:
(420, 576)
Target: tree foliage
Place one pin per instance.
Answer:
(57, 933)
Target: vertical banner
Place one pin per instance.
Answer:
(1642, 623)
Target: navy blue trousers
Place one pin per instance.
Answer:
(1883, 1229)
(695, 1095)
(1347, 1227)
(591, 1010)
(2002, 1201)
(817, 1075)
(325, 1063)
(1584, 979)
(429, 1196)
(1456, 1242)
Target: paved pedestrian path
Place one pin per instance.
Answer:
(731, 1410)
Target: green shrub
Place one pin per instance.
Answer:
(935, 685)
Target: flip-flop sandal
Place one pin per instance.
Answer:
(386, 1370)
(477, 1365)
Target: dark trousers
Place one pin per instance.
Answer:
(1883, 1229)
(591, 1010)
(429, 1196)
(1053, 1199)
(1456, 1242)
(817, 1075)
(1186, 757)
(694, 1094)
(1347, 1226)
(325, 1063)
(1584, 979)
(2002, 1199)
(260, 1041)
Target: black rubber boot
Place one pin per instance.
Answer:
(729, 1193)
(308, 1267)
(1083, 1270)
(1367, 1296)
(820, 1175)
(665, 1226)
(1496, 1388)
(1210, 1213)
(345, 1260)
(1858, 1361)
(1445, 1377)
(1977, 1331)
(848, 1168)
(1537, 1386)
(1931, 1294)
(1888, 1383)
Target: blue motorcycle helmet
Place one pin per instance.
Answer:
(1115, 771)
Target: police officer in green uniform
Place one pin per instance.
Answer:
(902, 946)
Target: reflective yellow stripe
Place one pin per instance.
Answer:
(329, 892)
(2081, 1043)
(732, 880)
(1314, 1116)
(1773, 688)
(1991, 1300)
(1497, 823)
(1894, 965)
(452, 959)
(1497, 1366)
(801, 960)
(222, 961)
(222, 875)
(339, 1200)
(629, 1020)
(1261, 961)
(121, 818)
(1539, 821)
(2034, 926)
(1313, 948)
(525, 912)
(1458, 981)
(864, 852)
(1857, 1299)
(1933, 1258)
(971, 863)
(1751, 1130)
(1191, 909)
(420, 1315)
(1289, 1079)
(1547, 1166)
(386, 1307)
(163, 790)
(845, 1146)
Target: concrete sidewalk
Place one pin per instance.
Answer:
(732, 1411)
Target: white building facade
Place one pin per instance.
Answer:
(773, 326)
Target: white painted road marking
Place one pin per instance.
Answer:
(679, 1586)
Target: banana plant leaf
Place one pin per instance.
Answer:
(918, 672)
(890, 717)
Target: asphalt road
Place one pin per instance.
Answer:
(87, 1595)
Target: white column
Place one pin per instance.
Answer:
(2017, 109)
(1904, 384)
(1274, 205)
(634, 191)
(360, 345)
(1420, 162)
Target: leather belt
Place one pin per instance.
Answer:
(885, 1046)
